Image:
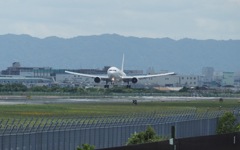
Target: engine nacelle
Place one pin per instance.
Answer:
(97, 80)
(134, 80)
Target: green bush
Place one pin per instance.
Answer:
(227, 124)
(86, 147)
(147, 136)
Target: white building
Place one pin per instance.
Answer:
(190, 80)
(174, 81)
(169, 81)
(29, 81)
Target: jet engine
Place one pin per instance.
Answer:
(134, 80)
(97, 80)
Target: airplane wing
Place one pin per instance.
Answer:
(126, 78)
(155, 75)
(88, 75)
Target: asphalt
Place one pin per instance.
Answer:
(8, 100)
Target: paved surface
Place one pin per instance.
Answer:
(8, 100)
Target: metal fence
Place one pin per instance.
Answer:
(66, 133)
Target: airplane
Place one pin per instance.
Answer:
(117, 75)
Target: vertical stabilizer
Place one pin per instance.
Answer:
(122, 62)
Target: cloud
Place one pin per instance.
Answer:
(155, 18)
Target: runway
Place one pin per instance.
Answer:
(57, 100)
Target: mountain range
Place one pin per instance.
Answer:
(184, 56)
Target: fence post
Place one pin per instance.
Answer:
(172, 139)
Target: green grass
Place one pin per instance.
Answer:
(110, 108)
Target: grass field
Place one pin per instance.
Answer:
(110, 108)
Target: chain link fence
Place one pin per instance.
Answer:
(66, 133)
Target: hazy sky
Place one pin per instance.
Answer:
(198, 19)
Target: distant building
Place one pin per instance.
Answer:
(190, 80)
(228, 79)
(217, 77)
(237, 79)
(164, 81)
(173, 81)
(207, 73)
(28, 81)
(16, 69)
(29, 76)
(16, 65)
(150, 70)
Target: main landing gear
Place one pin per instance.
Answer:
(106, 86)
(128, 86)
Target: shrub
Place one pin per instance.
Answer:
(144, 137)
(86, 147)
(227, 124)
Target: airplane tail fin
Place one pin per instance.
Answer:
(122, 62)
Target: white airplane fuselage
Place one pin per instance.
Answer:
(115, 74)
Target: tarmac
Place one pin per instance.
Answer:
(14, 100)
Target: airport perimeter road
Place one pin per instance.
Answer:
(49, 100)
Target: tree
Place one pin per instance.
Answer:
(238, 127)
(227, 124)
(144, 137)
(86, 147)
(13, 88)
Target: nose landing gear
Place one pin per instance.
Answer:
(128, 86)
